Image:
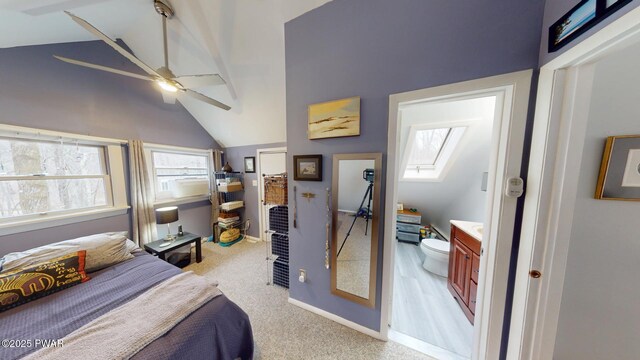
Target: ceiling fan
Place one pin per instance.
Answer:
(172, 86)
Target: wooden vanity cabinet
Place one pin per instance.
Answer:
(464, 266)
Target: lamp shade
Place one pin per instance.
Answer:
(167, 215)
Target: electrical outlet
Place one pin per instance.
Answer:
(302, 275)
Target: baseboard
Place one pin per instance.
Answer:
(336, 318)
(252, 239)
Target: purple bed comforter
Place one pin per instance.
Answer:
(218, 330)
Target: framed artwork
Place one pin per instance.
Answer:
(307, 167)
(338, 118)
(619, 177)
(250, 164)
(579, 19)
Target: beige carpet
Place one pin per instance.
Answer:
(282, 330)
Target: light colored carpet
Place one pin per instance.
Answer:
(282, 330)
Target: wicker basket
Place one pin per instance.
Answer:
(275, 190)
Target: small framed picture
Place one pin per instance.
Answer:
(619, 177)
(572, 24)
(250, 164)
(307, 167)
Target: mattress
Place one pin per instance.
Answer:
(218, 330)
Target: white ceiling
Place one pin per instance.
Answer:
(243, 40)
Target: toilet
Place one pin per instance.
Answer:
(436, 254)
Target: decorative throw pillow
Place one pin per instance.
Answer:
(21, 286)
(103, 250)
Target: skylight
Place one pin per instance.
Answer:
(429, 151)
(427, 147)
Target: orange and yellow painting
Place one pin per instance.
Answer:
(334, 119)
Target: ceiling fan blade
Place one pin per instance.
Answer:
(113, 44)
(103, 68)
(169, 97)
(196, 81)
(208, 100)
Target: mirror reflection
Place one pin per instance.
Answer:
(355, 226)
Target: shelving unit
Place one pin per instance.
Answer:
(278, 250)
(230, 188)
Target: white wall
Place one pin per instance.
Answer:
(351, 185)
(458, 196)
(599, 314)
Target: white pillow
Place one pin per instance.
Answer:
(103, 250)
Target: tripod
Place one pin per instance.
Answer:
(369, 194)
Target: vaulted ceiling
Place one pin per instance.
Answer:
(242, 40)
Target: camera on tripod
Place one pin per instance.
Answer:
(367, 175)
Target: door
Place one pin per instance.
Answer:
(461, 270)
(270, 161)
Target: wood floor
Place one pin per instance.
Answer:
(424, 309)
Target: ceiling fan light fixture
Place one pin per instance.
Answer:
(164, 85)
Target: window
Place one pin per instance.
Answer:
(179, 175)
(50, 178)
(427, 146)
(429, 152)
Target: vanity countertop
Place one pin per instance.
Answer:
(474, 229)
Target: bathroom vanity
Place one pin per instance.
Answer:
(464, 264)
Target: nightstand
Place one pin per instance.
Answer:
(187, 238)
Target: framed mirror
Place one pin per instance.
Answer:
(355, 213)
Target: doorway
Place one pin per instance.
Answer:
(445, 150)
(270, 161)
(511, 93)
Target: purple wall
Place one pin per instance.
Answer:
(555, 9)
(371, 49)
(235, 156)
(39, 91)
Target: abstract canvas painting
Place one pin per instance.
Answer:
(337, 118)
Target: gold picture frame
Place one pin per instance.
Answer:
(331, 119)
(619, 177)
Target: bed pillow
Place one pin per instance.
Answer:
(103, 250)
(39, 280)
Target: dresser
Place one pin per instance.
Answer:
(408, 226)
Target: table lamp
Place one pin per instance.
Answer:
(167, 215)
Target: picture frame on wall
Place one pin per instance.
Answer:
(331, 119)
(250, 164)
(307, 167)
(619, 177)
(582, 17)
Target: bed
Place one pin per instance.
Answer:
(217, 330)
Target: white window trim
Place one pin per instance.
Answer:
(115, 187)
(456, 141)
(148, 151)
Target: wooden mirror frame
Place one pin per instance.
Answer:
(373, 262)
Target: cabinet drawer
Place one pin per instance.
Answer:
(411, 228)
(404, 236)
(412, 219)
(473, 290)
(475, 267)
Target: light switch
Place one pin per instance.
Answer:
(254, 182)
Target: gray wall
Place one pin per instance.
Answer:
(555, 9)
(39, 91)
(371, 49)
(599, 317)
(235, 156)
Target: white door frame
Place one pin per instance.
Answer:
(558, 137)
(506, 160)
(261, 214)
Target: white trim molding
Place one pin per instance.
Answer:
(336, 318)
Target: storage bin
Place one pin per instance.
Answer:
(409, 237)
(279, 219)
(411, 228)
(413, 219)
